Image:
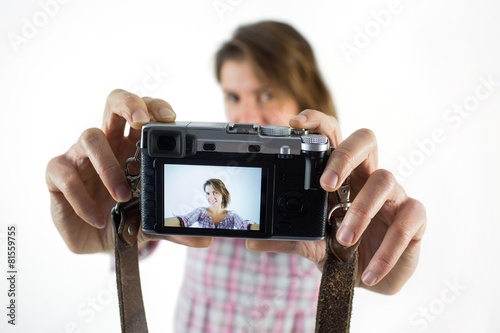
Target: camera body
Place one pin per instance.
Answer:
(271, 173)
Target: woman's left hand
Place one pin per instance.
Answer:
(389, 223)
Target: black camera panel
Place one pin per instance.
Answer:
(270, 176)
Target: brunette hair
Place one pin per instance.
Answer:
(220, 187)
(281, 55)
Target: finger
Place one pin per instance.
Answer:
(94, 145)
(357, 152)
(406, 231)
(158, 110)
(191, 241)
(378, 189)
(63, 178)
(122, 107)
(314, 251)
(320, 122)
(256, 245)
(199, 242)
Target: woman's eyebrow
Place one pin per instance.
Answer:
(264, 87)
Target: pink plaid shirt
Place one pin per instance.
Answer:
(201, 218)
(229, 289)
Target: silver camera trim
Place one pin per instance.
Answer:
(245, 138)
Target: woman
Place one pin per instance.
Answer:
(268, 74)
(214, 216)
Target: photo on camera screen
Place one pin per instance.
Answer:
(234, 192)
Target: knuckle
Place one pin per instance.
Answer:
(120, 94)
(385, 174)
(60, 176)
(106, 166)
(92, 137)
(156, 103)
(384, 179)
(53, 164)
(125, 100)
(67, 180)
(368, 138)
(109, 170)
(333, 129)
(130, 100)
(417, 206)
(402, 233)
(361, 211)
(366, 134)
(116, 92)
(385, 262)
(343, 158)
(418, 211)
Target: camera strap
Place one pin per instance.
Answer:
(336, 291)
(126, 220)
(337, 281)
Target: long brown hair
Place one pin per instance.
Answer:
(280, 54)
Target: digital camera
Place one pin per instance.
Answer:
(263, 181)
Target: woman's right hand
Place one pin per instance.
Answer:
(88, 180)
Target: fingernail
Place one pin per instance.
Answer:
(139, 116)
(250, 245)
(166, 113)
(329, 178)
(345, 237)
(122, 193)
(369, 278)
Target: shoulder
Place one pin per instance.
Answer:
(200, 211)
(232, 215)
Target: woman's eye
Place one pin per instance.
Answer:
(232, 97)
(265, 96)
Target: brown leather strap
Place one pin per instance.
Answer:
(126, 218)
(337, 286)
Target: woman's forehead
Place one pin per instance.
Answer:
(209, 188)
(238, 75)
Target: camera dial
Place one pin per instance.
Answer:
(318, 139)
(269, 130)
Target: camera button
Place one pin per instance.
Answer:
(293, 205)
(254, 148)
(271, 130)
(208, 146)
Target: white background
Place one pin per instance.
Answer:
(403, 82)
